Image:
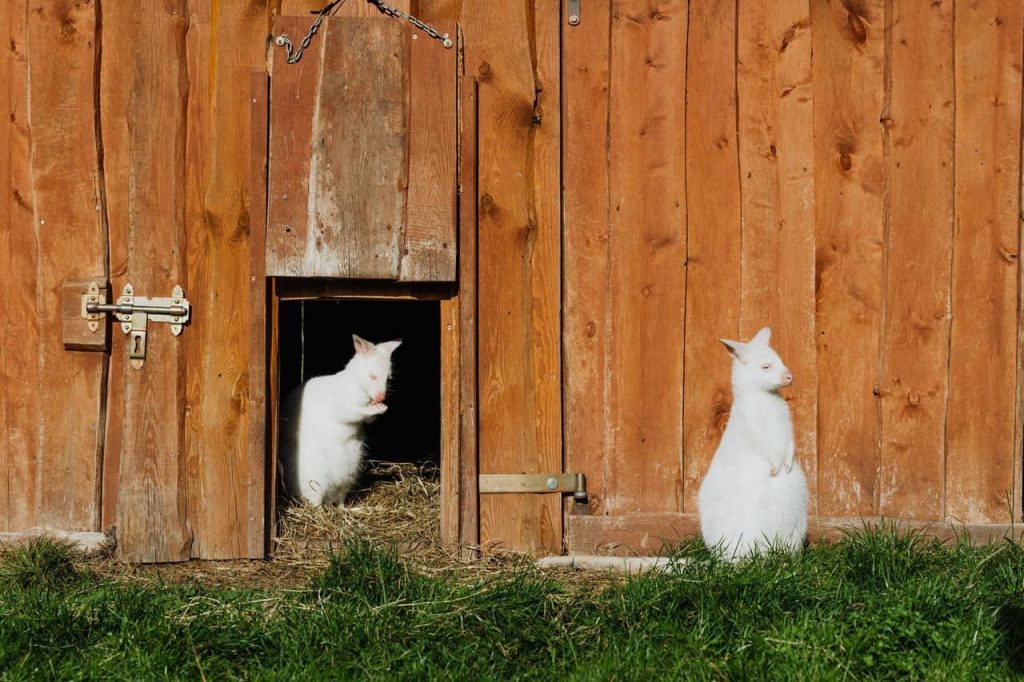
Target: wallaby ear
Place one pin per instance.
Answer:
(762, 336)
(362, 345)
(388, 347)
(734, 347)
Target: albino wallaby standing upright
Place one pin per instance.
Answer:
(754, 495)
(322, 422)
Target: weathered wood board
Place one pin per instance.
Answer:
(363, 154)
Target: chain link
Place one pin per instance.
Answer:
(295, 55)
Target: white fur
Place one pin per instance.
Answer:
(322, 424)
(754, 495)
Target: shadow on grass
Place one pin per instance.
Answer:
(1010, 624)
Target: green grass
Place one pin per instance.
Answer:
(879, 605)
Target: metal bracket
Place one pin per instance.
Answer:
(135, 313)
(535, 483)
(574, 12)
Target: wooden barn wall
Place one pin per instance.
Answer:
(657, 177)
(846, 172)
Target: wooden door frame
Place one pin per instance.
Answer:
(460, 526)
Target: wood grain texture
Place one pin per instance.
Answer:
(519, 255)
(776, 155)
(258, 451)
(143, 99)
(647, 255)
(469, 500)
(586, 55)
(648, 534)
(850, 191)
(71, 244)
(19, 328)
(915, 332)
(225, 484)
(293, 102)
(429, 251)
(451, 462)
(713, 235)
(981, 453)
(360, 160)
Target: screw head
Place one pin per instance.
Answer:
(552, 483)
(574, 20)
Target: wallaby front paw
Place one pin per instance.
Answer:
(788, 466)
(774, 471)
(377, 408)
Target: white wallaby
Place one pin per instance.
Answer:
(322, 424)
(754, 495)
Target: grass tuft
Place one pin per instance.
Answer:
(40, 563)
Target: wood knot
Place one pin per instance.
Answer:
(646, 291)
(591, 329)
(486, 201)
(484, 70)
(858, 31)
(845, 162)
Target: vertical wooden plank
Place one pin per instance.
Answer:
(469, 500)
(274, 396)
(647, 253)
(224, 42)
(430, 250)
(586, 54)
(71, 244)
(258, 451)
(981, 453)
(712, 236)
(850, 184)
(19, 331)
(915, 333)
(292, 105)
(776, 156)
(143, 97)
(451, 462)
(513, 48)
(359, 167)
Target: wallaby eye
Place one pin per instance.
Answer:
(766, 365)
(373, 377)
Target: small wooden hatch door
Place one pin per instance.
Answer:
(362, 178)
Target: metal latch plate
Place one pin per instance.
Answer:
(532, 483)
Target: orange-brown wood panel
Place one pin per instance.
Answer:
(70, 237)
(513, 48)
(258, 446)
(469, 501)
(776, 109)
(713, 234)
(981, 451)
(915, 334)
(19, 326)
(429, 253)
(451, 462)
(225, 486)
(143, 100)
(586, 53)
(850, 190)
(646, 255)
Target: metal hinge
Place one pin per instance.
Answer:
(536, 483)
(134, 313)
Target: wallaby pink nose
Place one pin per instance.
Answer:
(379, 398)
(787, 379)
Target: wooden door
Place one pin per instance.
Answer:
(120, 162)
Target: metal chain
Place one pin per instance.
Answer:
(384, 8)
(295, 55)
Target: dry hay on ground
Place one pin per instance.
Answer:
(399, 506)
